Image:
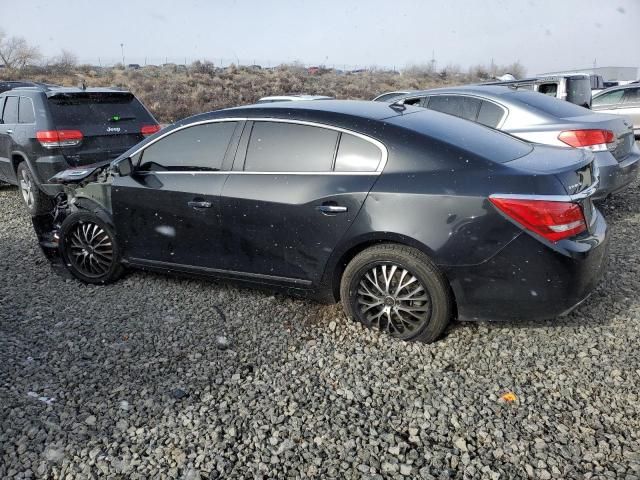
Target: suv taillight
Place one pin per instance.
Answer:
(595, 140)
(147, 130)
(551, 220)
(59, 138)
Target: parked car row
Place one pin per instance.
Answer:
(470, 203)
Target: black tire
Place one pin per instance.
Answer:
(405, 313)
(36, 200)
(89, 248)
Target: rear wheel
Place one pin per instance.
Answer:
(36, 201)
(398, 290)
(89, 249)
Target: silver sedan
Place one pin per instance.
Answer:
(541, 119)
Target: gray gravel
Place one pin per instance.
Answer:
(158, 377)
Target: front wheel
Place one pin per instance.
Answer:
(398, 290)
(89, 248)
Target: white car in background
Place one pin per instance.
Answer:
(292, 98)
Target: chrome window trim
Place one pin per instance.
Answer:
(380, 145)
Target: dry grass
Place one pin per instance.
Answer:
(172, 92)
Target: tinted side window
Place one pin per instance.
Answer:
(26, 113)
(357, 155)
(2, 100)
(463, 107)
(197, 148)
(289, 147)
(490, 114)
(10, 114)
(611, 98)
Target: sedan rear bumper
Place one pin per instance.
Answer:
(529, 280)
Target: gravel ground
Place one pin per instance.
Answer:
(158, 377)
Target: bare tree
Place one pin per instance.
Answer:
(66, 62)
(15, 52)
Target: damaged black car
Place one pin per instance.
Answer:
(410, 217)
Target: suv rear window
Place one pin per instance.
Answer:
(80, 109)
(549, 105)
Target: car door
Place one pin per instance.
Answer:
(295, 190)
(167, 212)
(7, 131)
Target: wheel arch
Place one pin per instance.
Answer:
(337, 264)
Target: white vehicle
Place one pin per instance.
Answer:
(292, 98)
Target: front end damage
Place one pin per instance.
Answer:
(72, 190)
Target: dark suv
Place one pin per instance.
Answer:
(45, 129)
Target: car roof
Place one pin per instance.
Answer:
(482, 90)
(617, 87)
(361, 109)
(52, 90)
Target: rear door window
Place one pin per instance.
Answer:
(26, 113)
(458, 105)
(290, 147)
(10, 114)
(490, 114)
(357, 155)
(197, 148)
(78, 110)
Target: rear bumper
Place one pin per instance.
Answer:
(614, 175)
(529, 280)
(47, 166)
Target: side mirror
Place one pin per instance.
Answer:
(124, 167)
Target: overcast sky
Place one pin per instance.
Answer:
(542, 34)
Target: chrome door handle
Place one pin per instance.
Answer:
(10, 132)
(197, 204)
(329, 209)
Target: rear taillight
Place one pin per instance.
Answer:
(59, 138)
(147, 130)
(551, 220)
(595, 140)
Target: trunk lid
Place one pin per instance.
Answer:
(110, 123)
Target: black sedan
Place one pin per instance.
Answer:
(408, 216)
